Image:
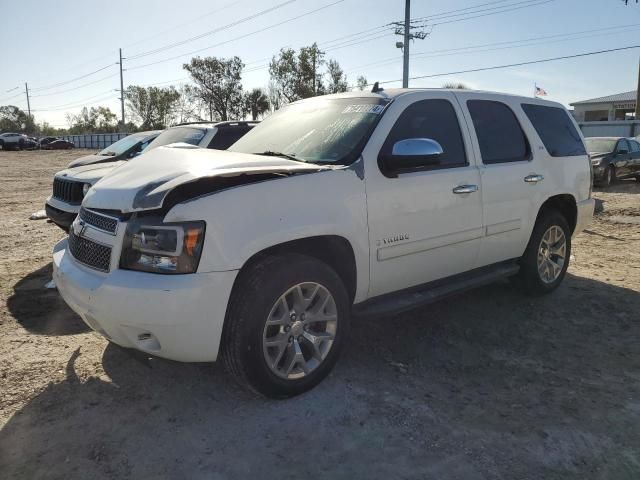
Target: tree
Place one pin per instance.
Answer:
(297, 76)
(337, 78)
(362, 82)
(257, 103)
(93, 120)
(153, 107)
(218, 85)
(274, 96)
(455, 85)
(12, 119)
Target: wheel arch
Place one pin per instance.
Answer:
(334, 250)
(564, 203)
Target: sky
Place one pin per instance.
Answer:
(68, 49)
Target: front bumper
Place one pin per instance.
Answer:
(61, 213)
(59, 217)
(179, 317)
(599, 172)
(585, 215)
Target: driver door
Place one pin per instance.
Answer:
(425, 223)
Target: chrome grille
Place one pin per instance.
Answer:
(67, 191)
(90, 253)
(101, 222)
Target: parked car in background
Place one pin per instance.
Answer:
(613, 158)
(71, 185)
(366, 202)
(12, 141)
(59, 144)
(124, 149)
(30, 143)
(216, 135)
(45, 140)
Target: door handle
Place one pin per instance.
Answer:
(465, 189)
(535, 178)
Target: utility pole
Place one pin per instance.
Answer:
(316, 52)
(121, 93)
(407, 39)
(404, 29)
(26, 90)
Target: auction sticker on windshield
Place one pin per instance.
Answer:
(366, 108)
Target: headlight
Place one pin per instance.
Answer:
(85, 188)
(163, 247)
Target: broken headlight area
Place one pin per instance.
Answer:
(170, 248)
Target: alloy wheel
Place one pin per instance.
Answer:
(300, 330)
(552, 254)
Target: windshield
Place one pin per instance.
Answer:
(190, 135)
(122, 145)
(600, 145)
(317, 130)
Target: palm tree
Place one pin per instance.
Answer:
(257, 103)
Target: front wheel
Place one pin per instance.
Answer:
(287, 321)
(546, 258)
(609, 176)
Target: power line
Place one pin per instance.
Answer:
(508, 44)
(76, 105)
(528, 5)
(53, 85)
(14, 96)
(63, 106)
(175, 27)
(76, 87)
(297, 17)
(211, 32)
(519, 64)
(461, 12)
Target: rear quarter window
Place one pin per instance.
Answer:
(555, 129)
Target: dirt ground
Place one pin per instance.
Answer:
(488, 385)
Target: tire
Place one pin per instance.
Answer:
(257, 297)
(609, 176)
(530, 279)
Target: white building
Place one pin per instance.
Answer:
(620, 106)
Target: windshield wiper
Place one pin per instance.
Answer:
(269, 153)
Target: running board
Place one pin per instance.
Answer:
(415, 297)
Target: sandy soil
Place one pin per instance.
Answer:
(489, 385)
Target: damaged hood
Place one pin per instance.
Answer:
(144, 183)
(89, 173)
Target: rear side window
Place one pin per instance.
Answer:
(556, 130)
(435, 119)
(499, 134)
(225, 137)
(635, 146)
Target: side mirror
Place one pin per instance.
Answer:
(410, 154)
(622, 152)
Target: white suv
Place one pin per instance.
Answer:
(359, 202)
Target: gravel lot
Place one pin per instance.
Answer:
(488, 385)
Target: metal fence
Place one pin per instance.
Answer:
(620, 128)
(94, 140)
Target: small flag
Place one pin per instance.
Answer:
(540, 92)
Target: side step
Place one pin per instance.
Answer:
(415, 297)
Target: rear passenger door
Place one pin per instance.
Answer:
(635, 155)
(512, 175)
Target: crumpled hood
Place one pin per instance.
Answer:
(89, 159)
(143, 184)
(597, 156)
(89, 173)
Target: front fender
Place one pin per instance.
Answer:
(248, 219)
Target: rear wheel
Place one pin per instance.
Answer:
(546, 259)
(287, 320)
